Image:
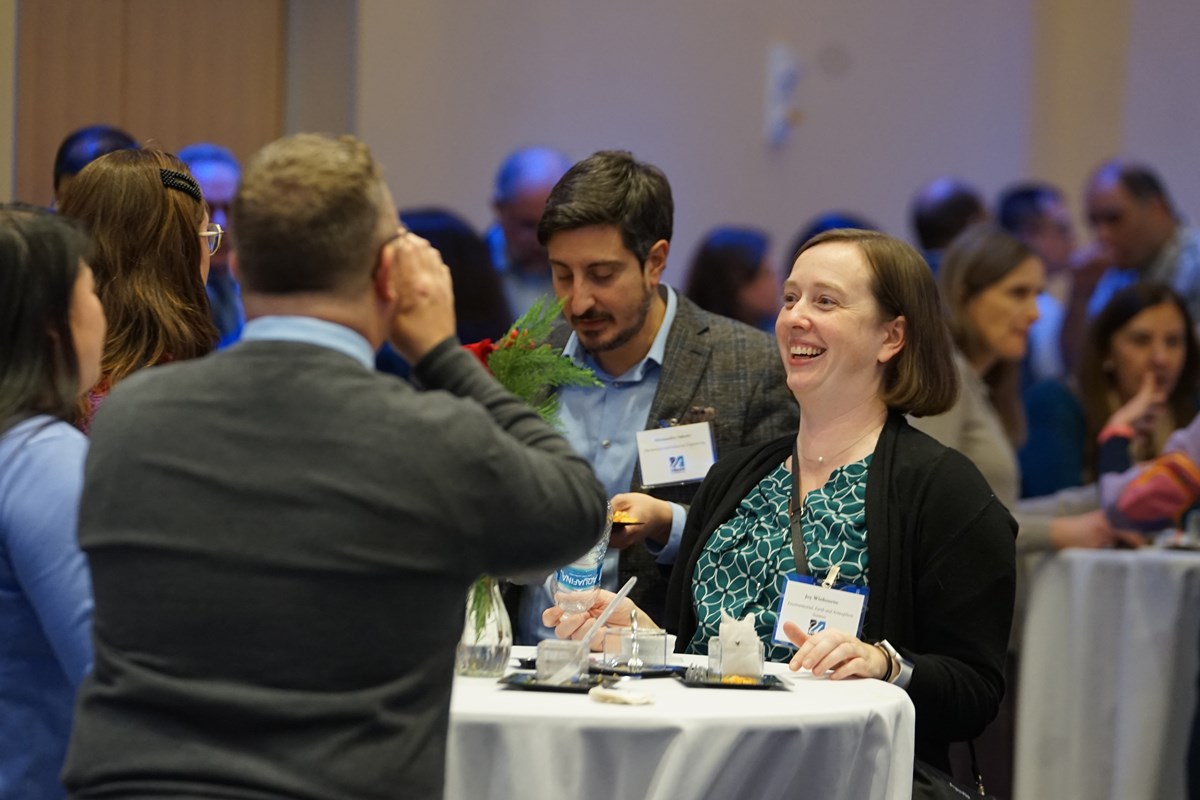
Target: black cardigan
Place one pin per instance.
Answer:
(942, 572)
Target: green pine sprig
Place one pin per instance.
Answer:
(531, 369)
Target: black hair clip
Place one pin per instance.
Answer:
(182, 182)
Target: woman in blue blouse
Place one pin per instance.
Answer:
(51, 335)
(864, 342)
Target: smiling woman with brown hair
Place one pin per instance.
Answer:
(153, 241)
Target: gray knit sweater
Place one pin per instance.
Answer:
(281, 542)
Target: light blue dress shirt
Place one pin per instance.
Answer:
(310, 330)
(601, 424)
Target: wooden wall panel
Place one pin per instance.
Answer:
(170, 72)
(209, 71)
(69, 66)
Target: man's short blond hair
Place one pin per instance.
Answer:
(307, 216)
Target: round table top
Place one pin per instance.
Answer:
(804, 695)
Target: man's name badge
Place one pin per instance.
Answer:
(678, 454)
(816, 607)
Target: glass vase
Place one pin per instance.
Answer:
(487, 637)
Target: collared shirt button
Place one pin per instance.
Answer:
(607, 443)
(617, 384)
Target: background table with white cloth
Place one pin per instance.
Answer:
(837, 740)
(1109, 665)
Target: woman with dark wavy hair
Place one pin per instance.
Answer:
(153, 240)
(1140, 372)
(51, 335)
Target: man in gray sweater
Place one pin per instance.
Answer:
(281, 539)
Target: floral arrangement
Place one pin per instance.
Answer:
(528, 367)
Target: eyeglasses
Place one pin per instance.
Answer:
(213, 235)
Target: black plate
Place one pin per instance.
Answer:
(523, 680)
(766, 682)
(664, 671)
(596, 668)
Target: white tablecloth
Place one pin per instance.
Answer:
(1108, 675)
(843, 740)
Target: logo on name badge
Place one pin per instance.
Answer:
(815, 626)
(676, 463)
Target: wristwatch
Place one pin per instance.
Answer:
(899, 668)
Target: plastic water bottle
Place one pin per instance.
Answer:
(575, 585)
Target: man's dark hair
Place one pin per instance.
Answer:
(1144, 184)
(612, 188)
(85, 145)
(1020, 206)
(944, 209)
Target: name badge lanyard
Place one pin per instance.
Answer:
(799, 553)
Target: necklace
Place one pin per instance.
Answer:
(820, 460)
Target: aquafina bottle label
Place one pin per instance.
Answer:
(575, 584)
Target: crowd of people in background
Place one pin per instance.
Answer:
(1075, 367)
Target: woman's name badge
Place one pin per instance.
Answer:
(675, 454)
(820, 606)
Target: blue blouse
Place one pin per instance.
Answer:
(45, 603)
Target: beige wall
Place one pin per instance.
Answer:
(892, 94)
(125, 63)
(1161, 121)
(1078, 89)
(889, 100)
(321, 68)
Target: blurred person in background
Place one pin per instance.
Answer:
(731, 275)
(1140, 235)
(480, 310)
(829, 221)
(990, 285)
(217, 171)
(989, 282)
(940, 211)
(522, 185)
(82, 147)
(1051, 457)
(1139, 375)
(1036, 214)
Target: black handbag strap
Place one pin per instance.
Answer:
(976, 775)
